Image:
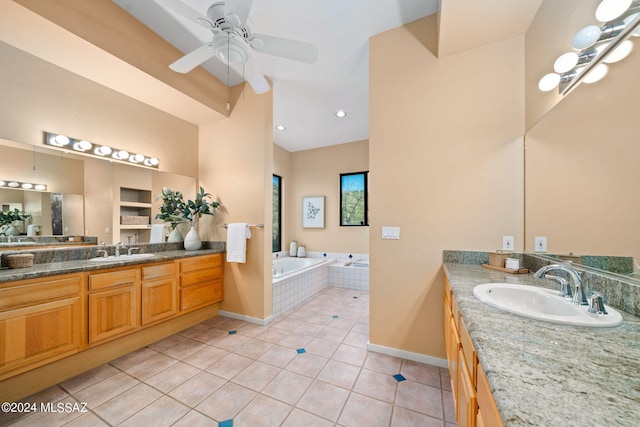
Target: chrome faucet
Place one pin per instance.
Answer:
(103, 252)
(132, 249)
(578, 296)
(119, 246)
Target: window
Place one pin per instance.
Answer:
(353, 198)
(276, 234)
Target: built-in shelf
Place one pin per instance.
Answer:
(135, 204)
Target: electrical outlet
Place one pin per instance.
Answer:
(507, 243)
(540, 244)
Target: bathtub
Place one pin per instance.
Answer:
(296, 279)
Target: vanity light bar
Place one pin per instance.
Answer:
(18, 185)
(101, 151)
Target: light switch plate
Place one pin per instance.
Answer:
(540, 244)
(507, 243)
(392, 233)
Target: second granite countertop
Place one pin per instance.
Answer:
(543, 374)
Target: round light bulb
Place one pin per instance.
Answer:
(85, 145)
(138, 158)
(154, 161)
(549, 82)
(104, 150)
(2, 183)
(620, 52)
(565, 62)
(13, 184)
(41, 187)
(586, 37)
(59, 140)
(122, 155)
(27, 186)
(608, 10)
(597, 73)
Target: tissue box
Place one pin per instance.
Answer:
(497, 259)
(512, 263)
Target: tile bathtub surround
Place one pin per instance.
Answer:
(310, 367)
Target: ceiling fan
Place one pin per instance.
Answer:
(233, 39)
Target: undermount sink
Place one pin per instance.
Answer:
(121, 258)
(543, 304)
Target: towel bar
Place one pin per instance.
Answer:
(250, 225)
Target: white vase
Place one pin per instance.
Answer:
(175, 236)
(192, 240)
(12, 231)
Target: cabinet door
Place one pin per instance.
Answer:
(200, 295)
(159, 300)
(39, 334)
(112, 313)
(488, 414)
(466, 401)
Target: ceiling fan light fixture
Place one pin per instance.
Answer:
(230, 49)
(341, 114)
(281, 127)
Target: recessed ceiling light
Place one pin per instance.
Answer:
(340, 113)
(281, 127)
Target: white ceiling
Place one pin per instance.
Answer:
(305, 97)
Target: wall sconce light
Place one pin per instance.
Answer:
(595, 44)
(18, 185)
(101, 151)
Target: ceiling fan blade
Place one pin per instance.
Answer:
(193, 59)
(285, 48)
(237, 11)
(182, 9)
(255, 78)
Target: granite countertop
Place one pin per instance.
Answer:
(543, 374)
(75, 266)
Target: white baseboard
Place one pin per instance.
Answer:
(403, 354)
(250, 319)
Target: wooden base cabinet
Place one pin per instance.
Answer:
(201, 281)
(472, 396)
(159, 292)
(40, 321)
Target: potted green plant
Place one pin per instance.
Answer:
(9, 218)
(191, 211)
(171, 212)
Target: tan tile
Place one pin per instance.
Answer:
(272, 334)
(99, 393)
(150, 367)
(421, 373)
(445, 379)
(299, 418)
(342, 323)
(229, 366)
(133, 358)
(229, 342)
(195, 419)
(323, 318)
(166, 343)
(210, 335)
(185, 349)
(256, 376)
(361, 326)
(449, 406)
(287, 323)
(226, 402)
(88, 378)
(362, 410)
(307, 364)
(251, 330)
(124, 405)
(383, 363)
(350, 354)
(262, 411)
(87, 420)
(322, 347)
(356, 339)
(194, 330)
(287, 387)
(377, 385)
(324, 400)
(163, 412)
(205, 357)
(308, 328)
(278, 356)
(332, 334)
(53, 417)
(420, 398)
(197, 388)
(172, 377)
(254, 348)
(403, 417)
(340, 374)
(295, 340)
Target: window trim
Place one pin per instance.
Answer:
(366, 199)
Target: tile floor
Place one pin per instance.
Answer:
(309, 367)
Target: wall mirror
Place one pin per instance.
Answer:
(581, 171)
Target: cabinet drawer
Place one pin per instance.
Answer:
(201, 276)
(468, 349)
(490, 415)
(32, 292)
(200, 263)
(113, 278)
(158, 270)
(200, 295)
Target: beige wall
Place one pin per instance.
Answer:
(235, 164)
(446, 165)
(317, 173)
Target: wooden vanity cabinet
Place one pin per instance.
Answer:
(201, 281)
(472, 396)
(113, 301)
(159, 292)
(41, 320)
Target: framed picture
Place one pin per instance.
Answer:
(313, 212)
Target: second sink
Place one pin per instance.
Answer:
(542, 304)
(121, 258)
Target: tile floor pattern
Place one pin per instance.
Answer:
(308, 368)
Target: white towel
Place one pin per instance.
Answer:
(237, 235)
(157, 233)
